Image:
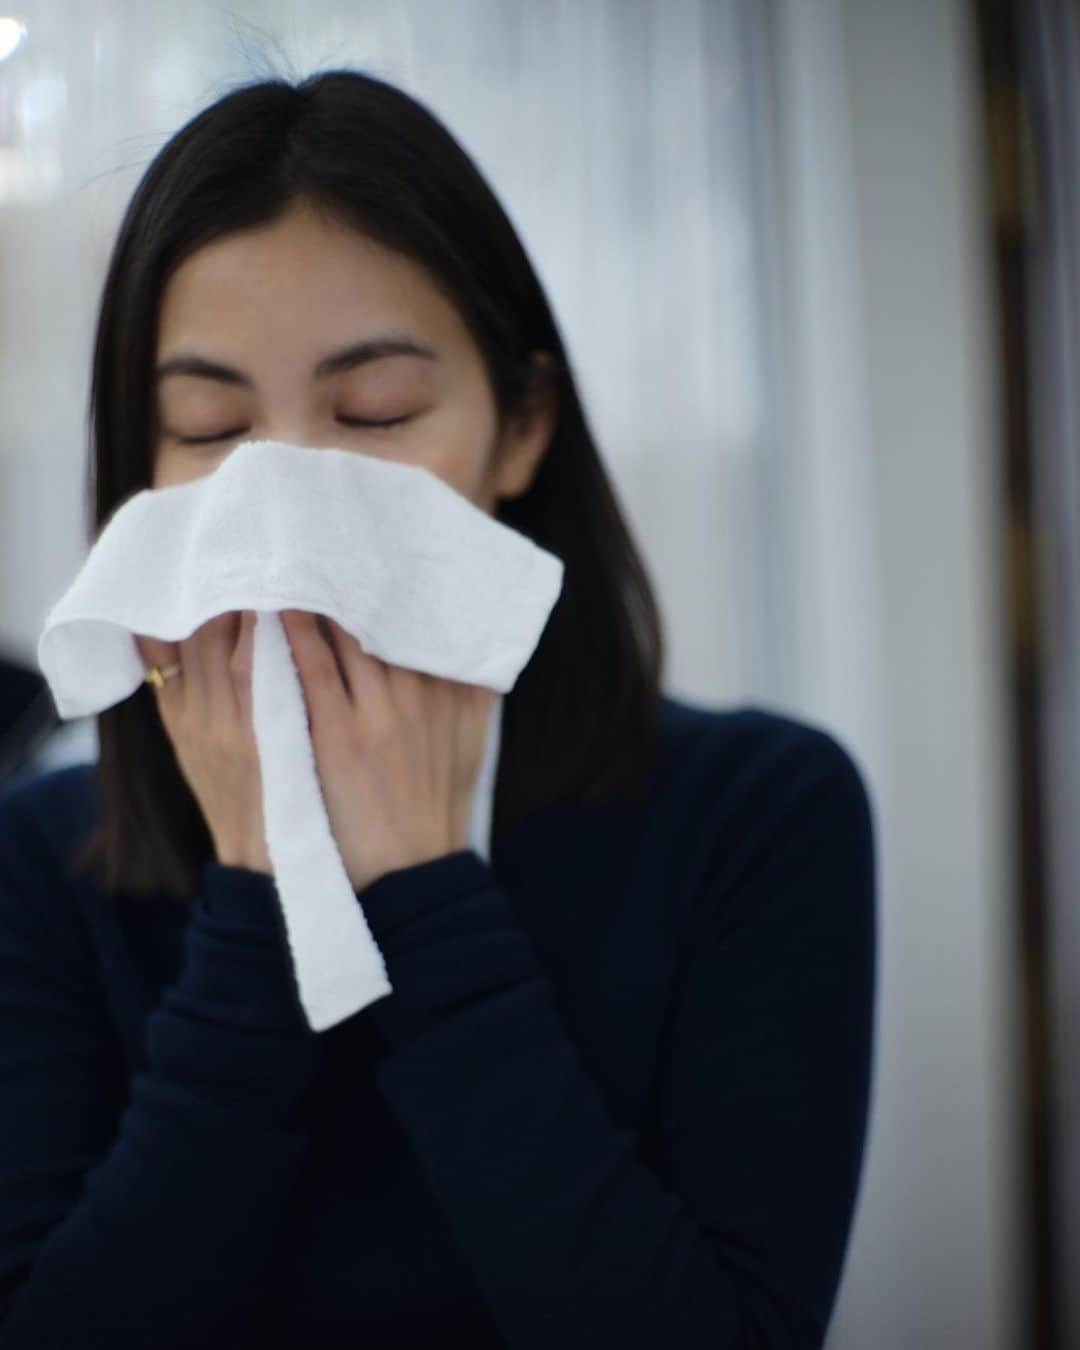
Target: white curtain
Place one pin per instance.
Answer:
(892, 391)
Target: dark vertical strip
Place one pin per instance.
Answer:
(1011, 175)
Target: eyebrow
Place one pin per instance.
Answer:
(356, 354)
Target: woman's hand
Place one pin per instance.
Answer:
(398, 751)
(206, 711)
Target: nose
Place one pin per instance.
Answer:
(307, 436)
(313, 437)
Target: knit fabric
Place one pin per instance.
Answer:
(618, 1095)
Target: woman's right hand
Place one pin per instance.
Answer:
(206, 711)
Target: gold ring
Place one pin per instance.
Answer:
(157, 677)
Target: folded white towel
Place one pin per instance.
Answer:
(417, 573)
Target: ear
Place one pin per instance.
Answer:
(526, 437)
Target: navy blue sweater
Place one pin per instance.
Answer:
(618, 1096)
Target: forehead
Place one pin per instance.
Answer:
(305, 274)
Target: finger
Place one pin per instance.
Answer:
(194, 677)
(324, 691)
(473, 728)
(241, 664)
(322, 627)
(217, 639)
(483, 701)
(430, 707)
(157, 652)
(413, 692)
(365, 675)
(442, 718)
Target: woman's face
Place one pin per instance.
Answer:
(283, 333)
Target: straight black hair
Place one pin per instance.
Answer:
(579, 724)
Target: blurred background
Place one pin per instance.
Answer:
(818, 266)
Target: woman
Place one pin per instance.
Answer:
(619, 1093)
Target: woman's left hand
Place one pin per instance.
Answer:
(398, 751)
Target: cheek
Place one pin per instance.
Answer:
(171, 471)
(457, 451)
(470, 480)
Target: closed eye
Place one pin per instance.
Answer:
(372, 422)
(240, 431)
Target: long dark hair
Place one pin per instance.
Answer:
(579, 725)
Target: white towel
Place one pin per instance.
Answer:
(417, 573)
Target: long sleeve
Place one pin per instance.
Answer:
(154, 1229)
(764, 1084)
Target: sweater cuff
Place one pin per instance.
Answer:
(241, 899)
(450, 939)
(394, 902)
(238, 969)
